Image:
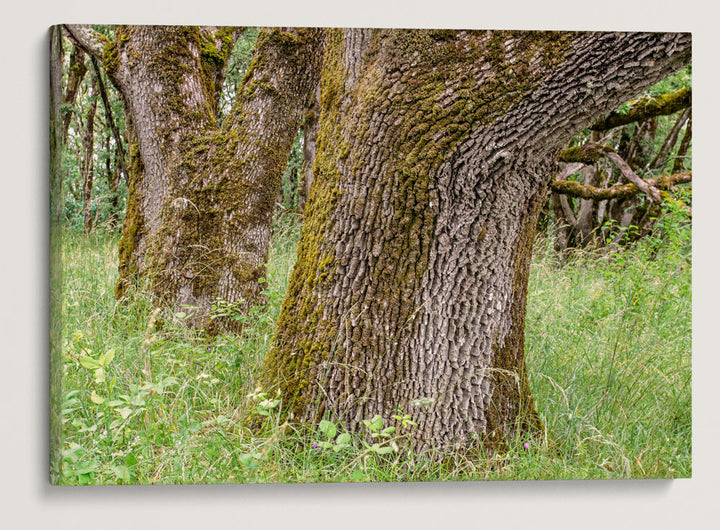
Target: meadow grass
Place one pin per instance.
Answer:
(608, 342)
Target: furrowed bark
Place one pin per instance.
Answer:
(202, 194)
(411, 281)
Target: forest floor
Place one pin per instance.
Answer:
(608, 342)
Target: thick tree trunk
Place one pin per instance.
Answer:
(411, 281)
(202, 194)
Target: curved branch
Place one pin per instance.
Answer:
(618, 191)
(90, 41)
(647, 107)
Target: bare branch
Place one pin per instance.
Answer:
(651, 191)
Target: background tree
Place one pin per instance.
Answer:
(202, 192)
(431, 169)
(594, 200)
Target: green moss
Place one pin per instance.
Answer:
(422, 129)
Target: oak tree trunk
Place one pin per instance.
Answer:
(201, 193)
(411, 281)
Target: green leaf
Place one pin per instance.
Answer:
(122, 473)
(107, 357)
(327, 428)
(125, 412)
(375, 423)
(325, 445)
(343, 439)
(95, 398)
(89, 363)
(99, 375)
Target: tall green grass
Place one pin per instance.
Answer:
(608, 347)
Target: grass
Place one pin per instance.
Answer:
(608, 348)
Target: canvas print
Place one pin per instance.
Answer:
(365, 255)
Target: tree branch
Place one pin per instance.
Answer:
(651, 191)
(647, 107)
(91, 41)
(618, 191)
(588, 153)
(110, 119)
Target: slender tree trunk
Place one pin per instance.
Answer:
(679, 164)
(113, 176)
(411, 281)
(76, 74)
(87, 169)
(310, 132)
(672, 137)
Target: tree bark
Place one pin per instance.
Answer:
(56, 128)
(202, 194)
(411, 281)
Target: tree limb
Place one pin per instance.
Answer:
(92, 42)
(647, 107)
(618, 191)
(588, 153)
(651, 191)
